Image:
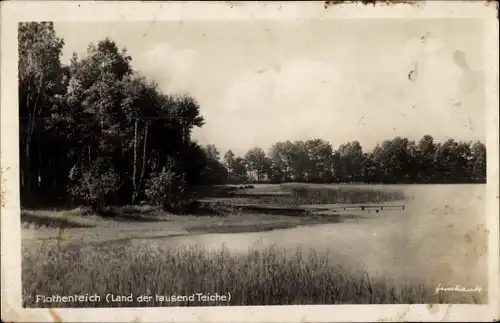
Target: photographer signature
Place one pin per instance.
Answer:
(457, 288)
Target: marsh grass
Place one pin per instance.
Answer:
(317, 194)
(299, 193)
(269, 276)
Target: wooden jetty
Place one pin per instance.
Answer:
(304, 209)
(368, 207)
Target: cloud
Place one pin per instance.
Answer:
(172, 67)
(368, 100)
(278, 103)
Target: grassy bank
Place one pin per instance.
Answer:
(262, 277)
(222, 206)
(73, 227)
(221, 216)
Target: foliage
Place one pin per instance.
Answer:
(214, 172)
(257, 163)
(97, 120)
(393, 161)
(236, 167)
(97, 185)
(40, 88)
(165, 189)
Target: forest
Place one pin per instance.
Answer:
(97, 132)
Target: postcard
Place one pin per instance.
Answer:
(249, 161)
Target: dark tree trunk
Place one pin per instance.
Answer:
(134, 172)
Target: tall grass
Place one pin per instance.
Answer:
(269, 276)
(342, 194)
(298, 193)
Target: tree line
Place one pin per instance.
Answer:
(95, 131)
(398, 160)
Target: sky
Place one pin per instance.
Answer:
(259, 82)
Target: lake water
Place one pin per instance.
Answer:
(439, 235)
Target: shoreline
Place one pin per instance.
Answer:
(170, 226)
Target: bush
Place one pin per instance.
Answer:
(166, 189)
(97, 185)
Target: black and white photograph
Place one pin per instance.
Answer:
(278, 159)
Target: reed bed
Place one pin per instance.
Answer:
(268, 276)
(342, 194)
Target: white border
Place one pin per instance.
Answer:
(75, 11)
